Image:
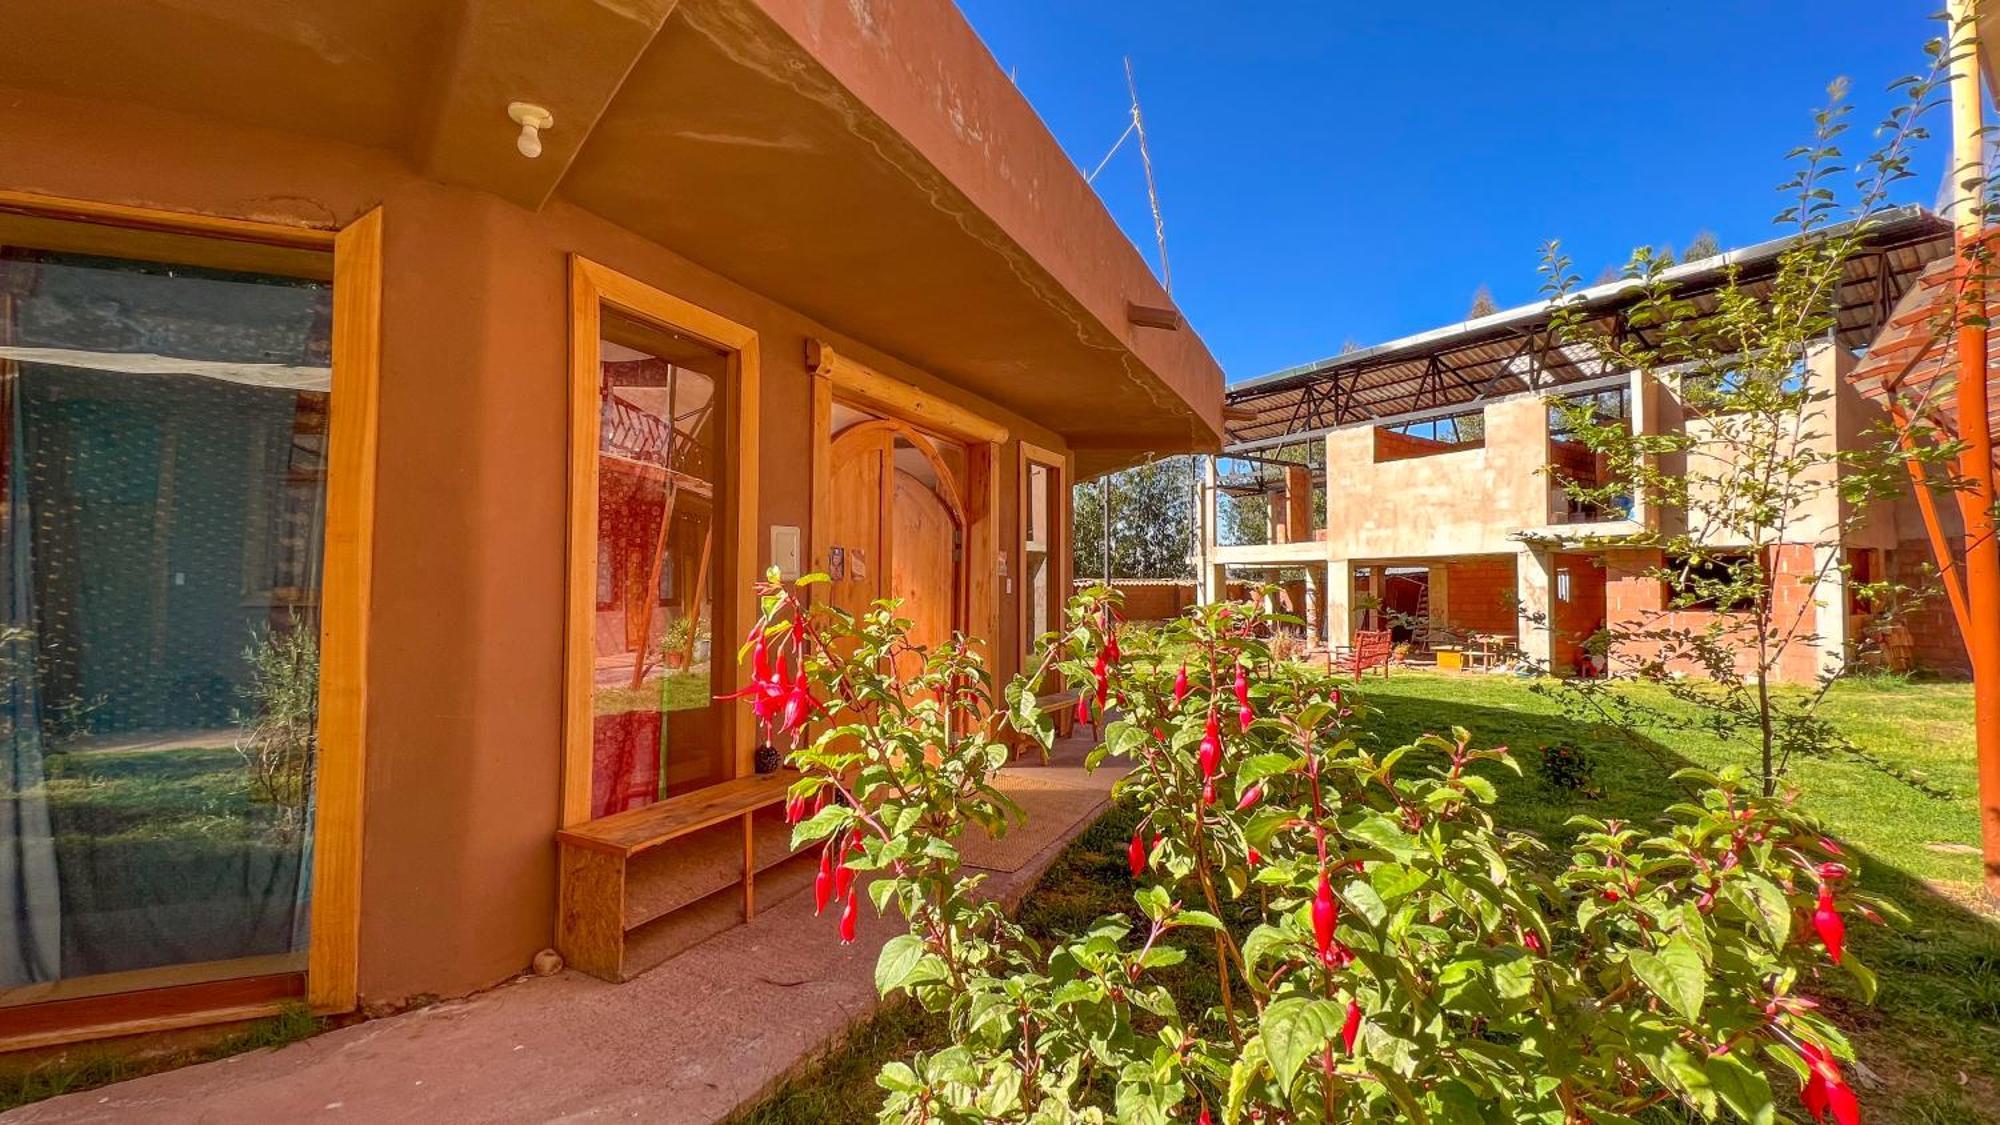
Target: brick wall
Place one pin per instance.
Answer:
(1393, 446)
(1935, 643)
(1634, 600)
(1480, 595)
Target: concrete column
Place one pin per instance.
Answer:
(1339, 603)
(1210, 580)
(1830, 609)
(1314, 599)
(1534, 579)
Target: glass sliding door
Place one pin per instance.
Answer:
(163, 483)
(656, 727)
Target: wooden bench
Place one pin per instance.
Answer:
(1371, 649)
(601, 905)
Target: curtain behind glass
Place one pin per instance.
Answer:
(164, 553)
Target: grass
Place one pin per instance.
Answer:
(1903, 807)
(70, 1074)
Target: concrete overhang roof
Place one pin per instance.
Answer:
(866, 163)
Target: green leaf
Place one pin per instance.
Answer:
(898, 960)
(1743, 1089)
(1675, 975)
(1382, 832)
(1292, 1030)
(1761, 899)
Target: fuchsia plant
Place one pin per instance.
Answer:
(1382, 950)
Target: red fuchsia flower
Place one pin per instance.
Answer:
(843, 877)
(1253, 858)
(1533, 942)
(1102, 672)
(849, 917)
(1208, 792)
(1082, 708)
(1244, 715)
(799, 704)
(1827, 845)
(1250, 797)
(1210, 754)
(1204, 1118)
(823, 882)
(1827, 924)
(760, 656)
(1181, 688)
(1325, 916)
(1826, 1093)
(1111, 648)
(1351, 1029)
(1136, 854)
(1832, 872)
(1611, 894)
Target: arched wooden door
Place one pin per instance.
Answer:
(899, 534)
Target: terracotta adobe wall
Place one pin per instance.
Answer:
(463, 733)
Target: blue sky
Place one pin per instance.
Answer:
(1333, 171)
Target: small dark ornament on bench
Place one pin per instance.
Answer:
(768, 759)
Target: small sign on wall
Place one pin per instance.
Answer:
(785, 551)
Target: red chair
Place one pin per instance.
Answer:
(1371, 649)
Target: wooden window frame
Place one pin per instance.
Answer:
(593, 287)
(837, 376)
(1061, 558)
(331, 980)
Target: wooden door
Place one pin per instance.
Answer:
(924, 567)
(862, 462)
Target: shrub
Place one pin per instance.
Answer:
(1568, 767)
(1384, 950)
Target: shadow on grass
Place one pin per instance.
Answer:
(1940, 978)
(1933, 1034)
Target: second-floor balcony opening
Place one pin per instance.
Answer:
(1581, 479)
(1274, 498)
(1428, 437)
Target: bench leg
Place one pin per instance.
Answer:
(749, 869)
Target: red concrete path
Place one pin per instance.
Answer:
(703, 1035)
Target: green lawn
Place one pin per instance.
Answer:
(1903, 806)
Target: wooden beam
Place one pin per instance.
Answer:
(568, 56)
(1154, 316)
(866, 386)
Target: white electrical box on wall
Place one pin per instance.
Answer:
(785, 551)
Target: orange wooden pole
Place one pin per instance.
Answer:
(1948, 569)
(1982, 549)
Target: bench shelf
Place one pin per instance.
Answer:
(604, 901)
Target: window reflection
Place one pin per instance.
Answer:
(657, 728)
(162, 497)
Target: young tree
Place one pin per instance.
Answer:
(1751, 498)
(1482, 303)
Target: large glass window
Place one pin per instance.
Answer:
(162, 495)
(656, 727)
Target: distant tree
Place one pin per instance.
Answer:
(1482, 303)
(1663, 258)
(1349, 345)
(1609, 274)
(1704, 245)
(1152, 522)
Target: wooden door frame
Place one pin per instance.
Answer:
(593, 287)
(1061, 559)
(354, 251)
(839, 376)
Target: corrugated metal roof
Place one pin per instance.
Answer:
(1490, 356)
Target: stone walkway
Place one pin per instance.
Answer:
(704, 1035)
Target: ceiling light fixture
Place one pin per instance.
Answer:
(532, 119)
